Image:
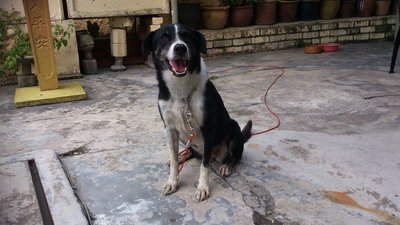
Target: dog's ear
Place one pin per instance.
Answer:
(201, 42)
(147, 45)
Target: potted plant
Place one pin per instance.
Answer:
(287, 10)
(241, 13)
(382, 7)
(215, 17)
(366, 8)
(265, 12)
(329, 9)
(15, 48)
(347, 8)
(189, 13)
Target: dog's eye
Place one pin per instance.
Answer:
(183, 34)
(165, 36)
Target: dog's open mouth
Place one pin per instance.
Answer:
(178, 66)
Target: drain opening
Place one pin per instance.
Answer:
(40, 195)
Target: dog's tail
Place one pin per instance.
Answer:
(246, 131)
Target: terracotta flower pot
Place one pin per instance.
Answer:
(382, 7)
(287, 10)
(366, 8)
(241, 16)
(347, 8)
(215, 17)
(266, 12)
(329, 9)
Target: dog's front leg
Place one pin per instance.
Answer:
(203, 189)
(172, 136)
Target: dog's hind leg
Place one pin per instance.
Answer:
(235, 151)
(173, 143)
(225, 170)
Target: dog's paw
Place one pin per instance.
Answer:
(170, 187)
(202, 193)
(225, 170)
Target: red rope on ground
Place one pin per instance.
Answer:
(265, 100)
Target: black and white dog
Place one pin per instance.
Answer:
(184, 86)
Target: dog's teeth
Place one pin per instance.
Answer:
(179, 65)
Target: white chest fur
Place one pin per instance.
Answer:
(174, 109)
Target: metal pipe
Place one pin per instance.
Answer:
(174, 11)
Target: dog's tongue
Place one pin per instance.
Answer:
(178, 65)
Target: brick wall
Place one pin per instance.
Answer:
(289, 35)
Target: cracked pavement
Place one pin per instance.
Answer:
(334, 160)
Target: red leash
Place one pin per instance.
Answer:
(185, 151)
(265, 94)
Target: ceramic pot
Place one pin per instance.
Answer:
(382, 7)
(287, 10)
(366, 8)
(329, 9)
(347, 8)
(265, 12)
(215, 17)
(241, 16)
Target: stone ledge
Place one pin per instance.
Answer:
(258, 38)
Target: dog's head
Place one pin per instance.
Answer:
(175, 47)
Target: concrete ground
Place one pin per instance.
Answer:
(334, 160)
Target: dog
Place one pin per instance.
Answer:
(184, 88)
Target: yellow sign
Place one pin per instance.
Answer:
(38, 20)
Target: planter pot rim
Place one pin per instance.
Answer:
(188, 3)
(215, 7)
(242, 6)
(288, 1)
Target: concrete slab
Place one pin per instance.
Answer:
(17, 195)
(31, 96)
(338, 142)
(59, 194)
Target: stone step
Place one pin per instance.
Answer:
(19, 200)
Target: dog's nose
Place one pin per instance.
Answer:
(180, 49)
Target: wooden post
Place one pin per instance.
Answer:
(41, 39)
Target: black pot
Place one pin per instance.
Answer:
(309, 9)
(189, 14)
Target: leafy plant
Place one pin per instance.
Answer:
(20, 47)
(61, 35)
(238, 2)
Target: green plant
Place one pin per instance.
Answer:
(17, 43)
(238, 2)
(20, 48)
(11, 49)
(61, 35)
